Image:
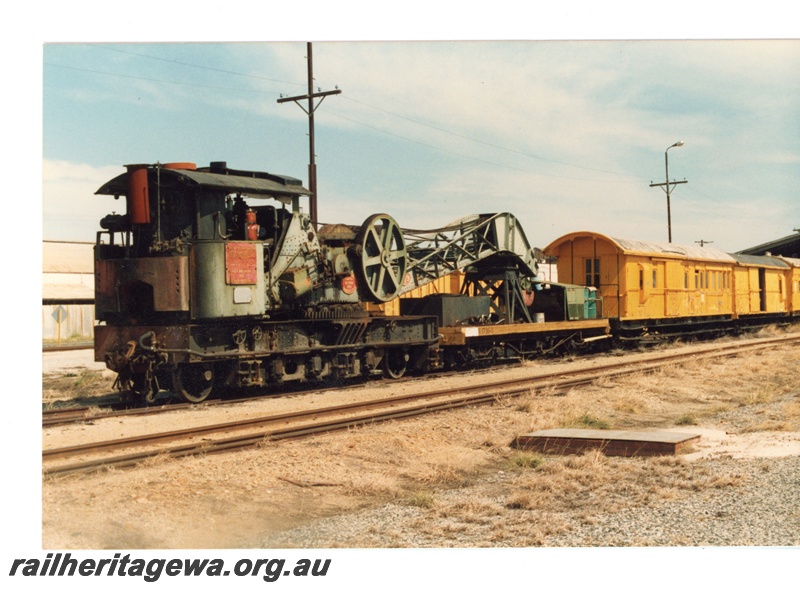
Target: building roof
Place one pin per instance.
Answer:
(67, 257)
(68, 272)
(788, 246)
(67, 293)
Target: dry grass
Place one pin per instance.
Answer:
(792, 410)
(586, 420)
(422, 499)
(84, 387)
(424, 462)
(526, 460)
(687, 419)
(760, 394)
(382, 484)
(593, 484)
(769, 426)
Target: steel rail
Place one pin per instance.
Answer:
(452, 398)
(53, 417)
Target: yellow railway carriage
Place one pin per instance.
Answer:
(654, 288)
(793, 284)
(641, 280)
(761, 286)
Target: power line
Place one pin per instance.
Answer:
(491, 145)
(444, 150)
(161, 80)
(182, 63)
(406, 118)
(389, 112)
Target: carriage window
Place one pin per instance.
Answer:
(592, 272)
(655, 279)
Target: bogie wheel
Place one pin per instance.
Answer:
(193, 382)
(394, 363)
(384, 260)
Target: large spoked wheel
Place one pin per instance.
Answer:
(193, 382)
(394, 363)
(384, 260)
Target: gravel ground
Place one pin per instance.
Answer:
(764, 511)
(761, 510)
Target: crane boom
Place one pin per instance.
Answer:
(479, 241)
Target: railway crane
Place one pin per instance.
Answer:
(201, 284)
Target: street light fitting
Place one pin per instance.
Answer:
(667, 185)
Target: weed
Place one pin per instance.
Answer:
(792, 410)
(763, 394)
(723, 481)
(421, 499)
(524, 407)
(769, 426)
(587, 421)
(686, 420)
(81, 386)
(525, 460)
(519, 500)
(373, 484)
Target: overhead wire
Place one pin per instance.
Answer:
(352, 120)
(489, 144)
(334, 112)
(461, 155)
(200, 66)
(160, 80)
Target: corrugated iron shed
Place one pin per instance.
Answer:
(67, 272)
(788, 246)
(67, 257)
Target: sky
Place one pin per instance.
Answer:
(566, 135)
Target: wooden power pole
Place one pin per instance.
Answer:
(312, 165)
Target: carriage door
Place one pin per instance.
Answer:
(762, 289)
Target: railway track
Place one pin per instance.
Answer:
(304, 423)
(70, 347)
(55, 417)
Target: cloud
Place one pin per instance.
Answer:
(423, 130)
(71, 209)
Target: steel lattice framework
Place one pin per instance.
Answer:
(478, 242)
(491, 249)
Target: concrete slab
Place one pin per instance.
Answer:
(610, 442)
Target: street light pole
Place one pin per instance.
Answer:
(667, 186)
